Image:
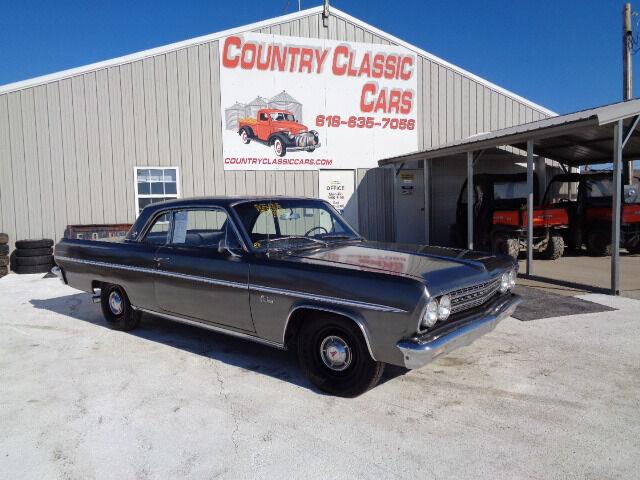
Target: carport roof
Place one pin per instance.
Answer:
(580, 138)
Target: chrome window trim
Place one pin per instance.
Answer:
(140, 237)
(226, 283)
(215, 328)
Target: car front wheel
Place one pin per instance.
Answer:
(117, 309)
(333, 354)
(279, 147)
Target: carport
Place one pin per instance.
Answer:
(599, 135)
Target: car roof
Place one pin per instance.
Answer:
(214, 201)
(219, 201)
(576, 177)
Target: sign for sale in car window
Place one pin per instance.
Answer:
(293, 103)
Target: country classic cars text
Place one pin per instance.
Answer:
(343, 62)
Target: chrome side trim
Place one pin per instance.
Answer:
(225, 283)
(214, 328)
(357, 321)
(322, 298)
(183, 276)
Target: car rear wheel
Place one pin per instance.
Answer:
(279, 147)
(506, 245)
(554, 248)
(117, 309)
(599, 243)
(333, 354)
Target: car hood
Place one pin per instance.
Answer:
(442, 269)
(293, 127)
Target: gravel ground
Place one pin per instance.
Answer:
(551, 398)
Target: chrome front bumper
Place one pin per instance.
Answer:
(419, 351)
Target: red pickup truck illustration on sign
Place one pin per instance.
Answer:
(280, 129)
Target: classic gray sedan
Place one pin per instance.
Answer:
(291, 273)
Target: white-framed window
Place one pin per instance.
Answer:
(155, 184)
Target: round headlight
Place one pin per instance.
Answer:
(512, 278)
(431, 314)
(444, 307)
(505, 282)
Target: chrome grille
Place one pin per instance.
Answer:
(473, 296)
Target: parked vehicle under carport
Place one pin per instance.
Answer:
(500, 217)
(586, 197)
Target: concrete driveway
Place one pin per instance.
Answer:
(553, 398)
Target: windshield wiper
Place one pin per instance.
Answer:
(340, 237)
(298, 237)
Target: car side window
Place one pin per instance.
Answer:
(158, 234)
(263, 116)
(203, 228)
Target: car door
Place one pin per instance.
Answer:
(197, 278)
(263, 127)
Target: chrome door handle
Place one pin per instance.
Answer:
(159, 260)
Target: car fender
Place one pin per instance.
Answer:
(347, 313)
(248, 129)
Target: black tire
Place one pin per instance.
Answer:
(245, 136)
(279, 147)
(26, 261)
(27, 269)
(4, 271)
(118, 313)
(506, 245)
(599, 243)
(4, 250)
(4, 261)
(361, 372)
(33, 252)
(554, 249)
(4, 238)
(43, 243)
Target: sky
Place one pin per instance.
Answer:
(562, 54)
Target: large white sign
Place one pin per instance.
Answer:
(293, 103)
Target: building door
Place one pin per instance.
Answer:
(408, 204)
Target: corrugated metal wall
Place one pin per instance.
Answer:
(68, 147)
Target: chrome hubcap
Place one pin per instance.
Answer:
(335, 353)
(115, 303)
(244, 136)
(278, 147)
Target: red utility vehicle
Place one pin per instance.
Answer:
(587, 200)
(280, 129)
(500, 217)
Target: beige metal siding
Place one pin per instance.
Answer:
(68, 148)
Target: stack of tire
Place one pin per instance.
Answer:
(32, 256)
(4, 254)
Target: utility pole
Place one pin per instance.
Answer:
(627, 81)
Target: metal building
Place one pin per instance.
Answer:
(94, 144)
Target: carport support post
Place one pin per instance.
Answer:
(529, 207)
(615, 214)
(470, 200)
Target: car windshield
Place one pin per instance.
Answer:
(561, 191)
(282, 117)
(286, 224)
